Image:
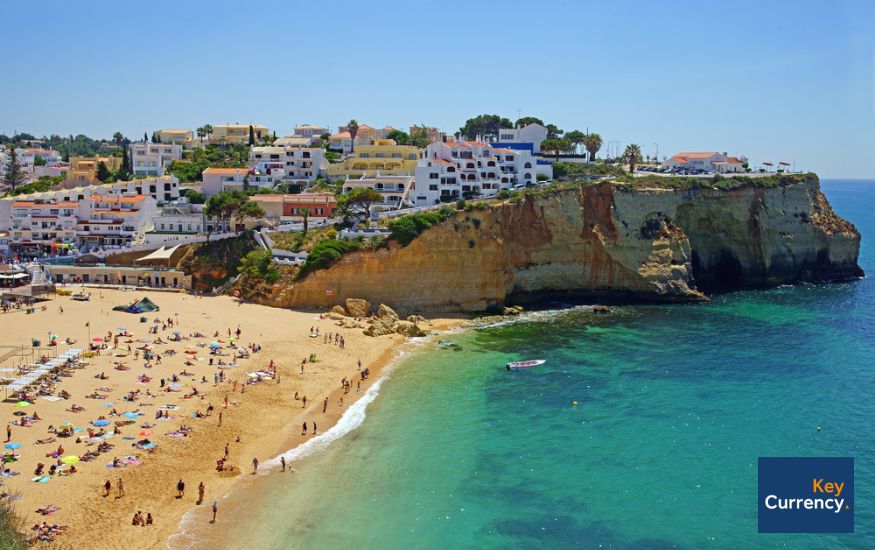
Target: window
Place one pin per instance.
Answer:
(433, 176)
(432, 187)
(527, 165)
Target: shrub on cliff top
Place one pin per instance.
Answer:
(258, 264)
(326, 253)
(724, 182)
(406, 228)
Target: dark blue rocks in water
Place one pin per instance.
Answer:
(674, 405)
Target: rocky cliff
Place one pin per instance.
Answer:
(635, 242)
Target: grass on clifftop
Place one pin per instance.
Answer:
(682, 183)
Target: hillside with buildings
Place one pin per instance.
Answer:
(610, 241)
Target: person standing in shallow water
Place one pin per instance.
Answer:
(254, 465)
(283, 463)
(215, 509)
(200, 492)
(304, 428)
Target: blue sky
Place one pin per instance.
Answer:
(788, 81)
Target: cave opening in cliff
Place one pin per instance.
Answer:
(723, 275)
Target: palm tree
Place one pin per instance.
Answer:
(353, 128)
(201, 133)
(592, 143)
(305, 213)
(344, 210)
(118, 138)
(208, 130)
(632, 155)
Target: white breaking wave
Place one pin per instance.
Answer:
(351, 419)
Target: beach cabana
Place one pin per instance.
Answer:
(145, 305)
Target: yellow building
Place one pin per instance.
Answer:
(177, 137)
(237, 133)
(83, 170)
(381, 156)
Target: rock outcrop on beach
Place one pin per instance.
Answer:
(620, 242)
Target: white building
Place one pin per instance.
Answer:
(289, 164)
(88, 217)
(710, 161)
(310, 131)
(151, 159)
(27, 156)
(180, 217)
(395, 189)
(527, 137)
(217, 180)
(162, 188)
(455, 169)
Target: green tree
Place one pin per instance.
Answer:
(485, 126)
(576, 137)
(208, 130)
(124, 173)
(145, 137)
(526, 120)
(251, 136)
(553, 131)
(305, 213)
(248, 210)
(632, 155)
(155, 137)
(118, 138)
(361, 200)
(555, 145)
(201, 133)
(419, 137)
(353, 128)
(194, 196)
(103, 172)
(592, 142)
(39, 161)
(400, 137)
(13, 176)
(345, 211)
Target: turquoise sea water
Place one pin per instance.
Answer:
(675, 404)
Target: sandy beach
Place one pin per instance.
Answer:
(265, 416)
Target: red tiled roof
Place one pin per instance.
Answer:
(696, 155)
(228, 171)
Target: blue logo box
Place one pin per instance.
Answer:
(806, 495)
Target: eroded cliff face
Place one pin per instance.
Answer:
(599, 241)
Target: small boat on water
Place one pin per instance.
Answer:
(520, 365)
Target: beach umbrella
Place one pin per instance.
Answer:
(130, 415)
(100, 423)
(12, 446)
(70, 459)
(97, 339)
(215, 345)
(22, 404)
(146, 432)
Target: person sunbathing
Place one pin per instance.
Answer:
(64, 394)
